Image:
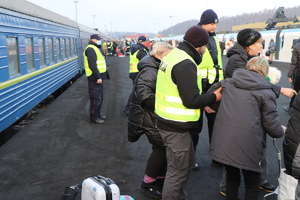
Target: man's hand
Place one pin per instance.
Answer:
(218, 94)
(208, 109)
(99, 81)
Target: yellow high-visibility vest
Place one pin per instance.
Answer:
(168, 103)
(207, 66)
(133, 62)
(101, 64)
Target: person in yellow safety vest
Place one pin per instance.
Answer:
(178, 106)
(128, 46)
(109, 45)
(104, 47)
(95, 67)
(137, 52)
(211, 71)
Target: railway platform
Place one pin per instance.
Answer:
(60, 147)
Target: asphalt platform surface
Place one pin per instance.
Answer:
(60, 147)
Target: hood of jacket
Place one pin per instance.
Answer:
(238, 49)
(148, 61)
(250, 80)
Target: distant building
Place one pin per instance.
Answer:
(159, 35)
(136, 36)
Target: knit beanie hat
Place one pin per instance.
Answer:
(197, 36)
(247, 37)
(209, 16)
(258, 64)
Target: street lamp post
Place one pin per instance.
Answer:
(76, 1)
(94, 16)
(171, 23)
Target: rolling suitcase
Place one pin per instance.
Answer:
(99, 188)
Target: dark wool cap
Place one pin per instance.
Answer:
(247, 37)
(142, 39)
(96, 36)
(209, 16)
(197, 36)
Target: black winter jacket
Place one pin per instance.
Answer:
(238, 58)
(295, 62)
(247, 112)
(291, 143)
(141, 118)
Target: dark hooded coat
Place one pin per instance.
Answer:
(246, 113)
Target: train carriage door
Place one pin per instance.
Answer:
(278, 43)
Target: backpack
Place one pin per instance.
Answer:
(72, 192)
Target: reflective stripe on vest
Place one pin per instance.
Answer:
(207, 66)
(168, 103)
(101, 64)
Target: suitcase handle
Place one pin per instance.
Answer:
(107, 180)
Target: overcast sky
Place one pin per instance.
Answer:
(154, 16)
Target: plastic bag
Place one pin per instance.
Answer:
(287, 186)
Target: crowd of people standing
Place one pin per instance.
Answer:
(175, 85)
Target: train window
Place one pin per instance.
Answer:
(29, 54)
(58, 50)
(294, 42)
(65, 49)
(51, 51)
(75, 47)
(13, 56)
(42, 52)
(69, 47)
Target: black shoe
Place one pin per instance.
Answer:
(267, 187)
(150, 190)
(196, 167)
(286, 108)
(216, 164)
(97, 121)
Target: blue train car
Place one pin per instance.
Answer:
(40, 51)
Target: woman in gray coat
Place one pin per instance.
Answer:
(246, 113)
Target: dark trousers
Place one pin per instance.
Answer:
(181, 160)
(296, 87)
(96, 99)
(233, 180)
(157, 161)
